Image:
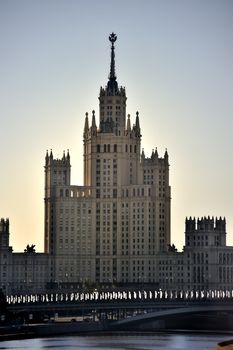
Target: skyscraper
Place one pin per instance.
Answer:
(110, 229)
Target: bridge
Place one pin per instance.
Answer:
(131, 310)
(218, 317)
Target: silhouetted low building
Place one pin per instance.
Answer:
(206, 261)
(26, 272)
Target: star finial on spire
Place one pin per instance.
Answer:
(112, 38)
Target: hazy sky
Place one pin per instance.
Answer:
(175, 59)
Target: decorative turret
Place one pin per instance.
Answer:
(190, 224)
(86, 126)
(128, 126)
(220, 224)
(143, 154)
(93, 124)
(137, 126)
(4, 226)
(4, 235)
(205, 231)
(166, 156)
(47, 157)
(68, 156)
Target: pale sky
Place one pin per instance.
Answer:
(175, 60)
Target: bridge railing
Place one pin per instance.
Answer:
(115, 296)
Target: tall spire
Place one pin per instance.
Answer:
(112, 83)
(112, 39)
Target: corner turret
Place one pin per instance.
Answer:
(57, 173)
(4, 225)
(4, 235)
(205, 231)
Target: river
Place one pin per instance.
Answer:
(121, 342)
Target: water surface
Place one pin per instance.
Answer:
(121, 342)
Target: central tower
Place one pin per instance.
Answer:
(132, 192)
(114, 141)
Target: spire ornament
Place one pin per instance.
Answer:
(112, 83)
(112, 38)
